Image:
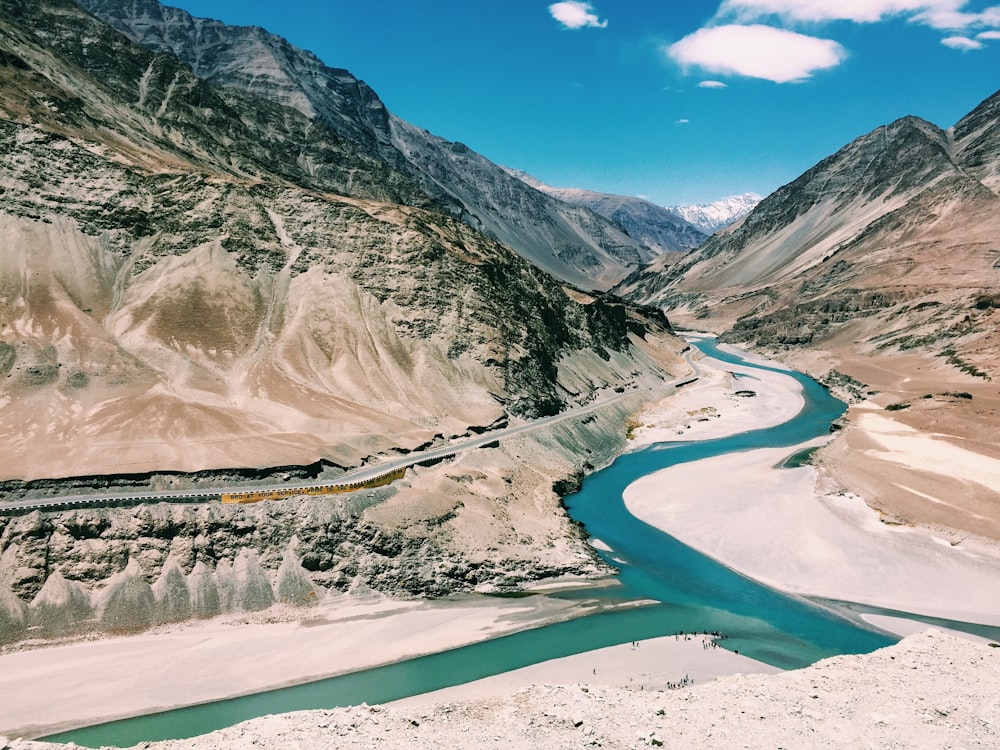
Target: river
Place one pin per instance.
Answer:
(694, 592)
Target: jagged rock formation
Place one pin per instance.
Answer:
(12, 616)
(711, 217)
(661, 230)
(488, 521)
(127, 600)
(890, 242)
(172, 593)
(251, 589)
(573, 244)
(61, 607)
(205, 598)
(293, 585)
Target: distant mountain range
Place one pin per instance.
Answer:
(711, 217)
(660, 229)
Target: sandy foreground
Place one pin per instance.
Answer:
(929, 691)
(655, 665)
(238, 655)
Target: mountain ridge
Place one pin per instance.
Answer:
(876, 271)
(711, 217)
(660, 229)
(573, 244)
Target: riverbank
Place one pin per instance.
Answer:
(238, 655)
(725, 400)
(287, 652)
(930, 690)
(798, 531)
(653, 665)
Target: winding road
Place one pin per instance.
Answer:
(358, 475)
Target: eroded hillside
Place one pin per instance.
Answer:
(199, 279)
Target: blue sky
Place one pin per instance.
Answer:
(678, 101)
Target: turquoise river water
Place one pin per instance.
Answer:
(694, 592)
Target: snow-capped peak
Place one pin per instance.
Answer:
(711, 217)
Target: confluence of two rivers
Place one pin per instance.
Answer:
(695, 594)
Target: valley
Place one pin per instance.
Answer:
(740, 436)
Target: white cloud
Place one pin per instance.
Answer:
(961, 42)
(681, 121)
(711, 85)
(757, 51)
(988, 35)
(576, 15)
(939, 14)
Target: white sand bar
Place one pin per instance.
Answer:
(650, 665)
(771, 524)
(710, 407)
(94, 681)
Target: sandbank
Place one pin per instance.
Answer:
(100, 680)
(775, 526)
(650, 665)
(710, 408)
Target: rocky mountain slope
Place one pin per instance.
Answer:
(196, 278)
(660, 229)
(711, 217)
(571, 243)
(929, 690)
(877, 270)
(892, 241)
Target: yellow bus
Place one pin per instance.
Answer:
(256, 496)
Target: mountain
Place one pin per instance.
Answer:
(183, 285)
(877, 271)
(202, 284)
(711, 217)
(893, 234)
(660, 229)
(571, 243)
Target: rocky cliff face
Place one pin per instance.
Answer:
(573, 244)
(486, 522)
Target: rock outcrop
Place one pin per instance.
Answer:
(174, 599)
(127, 601)
(12, 619)
(61, 607)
